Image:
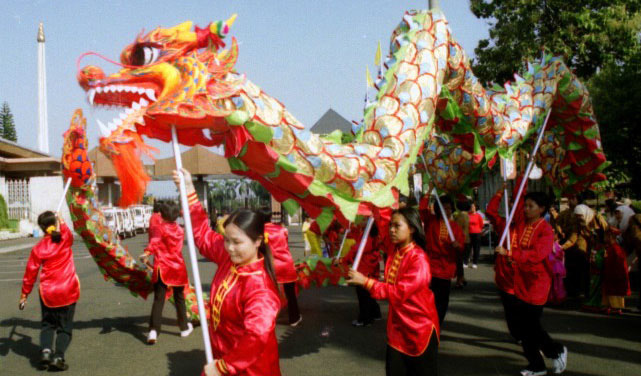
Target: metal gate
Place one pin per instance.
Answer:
(18, 200)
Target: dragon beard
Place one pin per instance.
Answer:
(127, 161)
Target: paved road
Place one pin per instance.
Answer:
(110, 327)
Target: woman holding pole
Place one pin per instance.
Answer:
(244, 297)
(412, 323)
(443, 251)
(532, 242)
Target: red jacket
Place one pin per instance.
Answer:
(370, 260)
(278, 239)
(442, 254)
(412, 315)
(244, 305)
(166, 246)
(154, 221)
(59, 284)
(531, 246)
(476, 223)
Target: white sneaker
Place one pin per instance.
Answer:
(152, 337)
(297, 322)
(527, 372)
(187, 332)
(561, 362)
(474, 266)
(464, 266)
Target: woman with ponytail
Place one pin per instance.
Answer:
(59, 288)
(244, 297)
(412, 322)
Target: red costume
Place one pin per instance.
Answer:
(615, 271)
(476, 223)
(370, 260)
(244, 305)
(278, 242)
(531, 245)
(59, 284)
(442, 254)
(503, 270)
(154, 222)
(166, 246)
(412, 314)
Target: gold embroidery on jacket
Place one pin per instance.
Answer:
(221, 293)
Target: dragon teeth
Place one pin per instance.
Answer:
(151, 94)
(91, 94)
(143, 102)
(103, 129)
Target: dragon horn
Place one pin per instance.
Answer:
(220, 28)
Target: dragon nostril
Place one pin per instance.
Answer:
(88, 74)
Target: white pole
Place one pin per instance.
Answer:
(440, 205)
(338, 254)
(192, 248)
(524, 180)
(64, 193)
(507, 204)
(361, 246)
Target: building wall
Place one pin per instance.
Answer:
(46, 192)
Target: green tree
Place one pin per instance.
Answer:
(4, 215)
(616, 94)
(8, 127)
(589, 34)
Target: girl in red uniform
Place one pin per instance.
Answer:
(166, 246)
(532, 241)
(368, 308)
(244, 297)
(443, 253)
(412, 321)
(59, 288)
(278, 239)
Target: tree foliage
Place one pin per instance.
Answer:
(7, 125)
(616, 94)
(4, 215)
(589, 34)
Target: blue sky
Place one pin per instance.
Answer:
(310, 55)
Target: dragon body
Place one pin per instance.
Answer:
(429, 108)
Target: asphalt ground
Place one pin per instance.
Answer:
(110, 330)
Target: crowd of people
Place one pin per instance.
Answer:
(550, 256)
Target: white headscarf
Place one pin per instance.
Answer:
(586, 212)
(627, 213)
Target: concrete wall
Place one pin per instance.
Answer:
(46, 192)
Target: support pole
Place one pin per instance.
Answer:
(524, 180)
(338, 254)
(64, 193)
(440, 205)
(361, 246)
(192, 247)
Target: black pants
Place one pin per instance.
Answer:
(399, 364)
(509, 307)
(475, 248)
(535, 338)
(292, 301)
(160, 290)
(441, 289)
(368, 308)
(460, 260)
(577, 280)
(58, 321)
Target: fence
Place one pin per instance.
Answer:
(18, 198)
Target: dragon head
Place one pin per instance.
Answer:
(169, 77)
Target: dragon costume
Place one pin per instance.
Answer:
(428, 104)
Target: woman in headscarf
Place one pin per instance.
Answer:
(580, 262)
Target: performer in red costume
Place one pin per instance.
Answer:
(443, 253)
(412, 322)
(277, 237)
(532, 242)
(59, 288)
(368, 308)
(155, 219)
(244, 296)
(166, 244)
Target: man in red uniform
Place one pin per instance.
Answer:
(169, 270)
(59, 288)
(532, 242)
(442, 253)
(277, 238)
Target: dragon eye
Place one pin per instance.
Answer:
(144, 55)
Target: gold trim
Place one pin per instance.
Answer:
(221, 292)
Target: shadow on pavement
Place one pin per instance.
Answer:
(186, 362)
